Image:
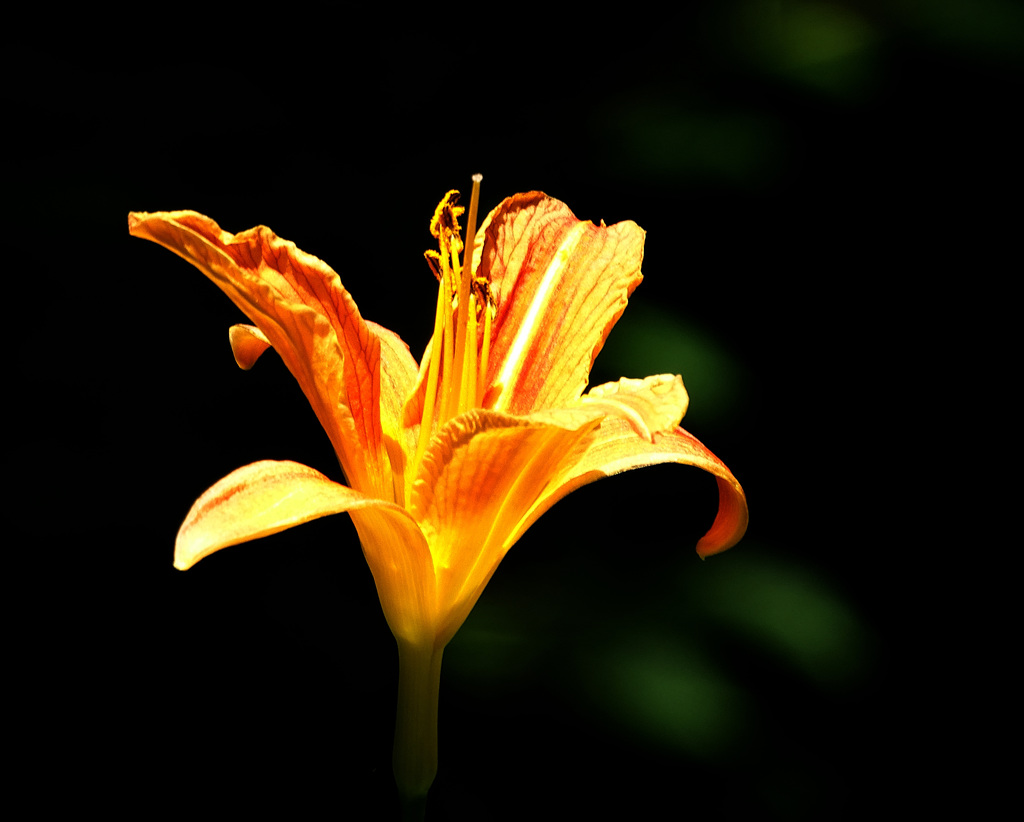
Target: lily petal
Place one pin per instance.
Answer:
(402, 568)
(256, 501)
(269, 496)
(616, 447)
(480, 476)
(398, 373)
(559, 285)
(247, 344)
(650, 405)
(300, 305)
(398, 368)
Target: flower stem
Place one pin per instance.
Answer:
(415, 754)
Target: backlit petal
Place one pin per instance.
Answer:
(402, 569)
(481, 475)
(268, 497)
(559, 285)
(398, 372)
(300, 305)
(259, 500)
(615, 447)
(649, 405)
(247, 344)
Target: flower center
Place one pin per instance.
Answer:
(456, 379)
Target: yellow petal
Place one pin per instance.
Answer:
(649, 405)
(403, 571)
(256, 501)
(480, 476)
(268, 497)
(559, 285)
(398, 377)
(615, 446)
(300, 305)
(247, 344)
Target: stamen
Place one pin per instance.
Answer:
(449, 346)
(453, 349)
(444, 226)
(430, 397)
(485, 345)
(467, 393)
(431, 257)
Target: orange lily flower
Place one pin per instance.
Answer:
(449, 462)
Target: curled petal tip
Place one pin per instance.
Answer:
(731, 522)
(247, 344)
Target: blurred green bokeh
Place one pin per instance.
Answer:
(650, 340)
(661, 663)
(823, 47)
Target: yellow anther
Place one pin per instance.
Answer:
(434, 261)
(482, 290)
(444, 225)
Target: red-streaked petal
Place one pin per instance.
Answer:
(481, 474)
(269, 496)
(615, 447)
(256, 501)
(300, 305)
(247, 344)
(559, 285)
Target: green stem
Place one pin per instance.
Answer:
(415, 755)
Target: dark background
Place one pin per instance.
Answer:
(824, 186)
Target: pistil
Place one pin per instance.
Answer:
(465, 354)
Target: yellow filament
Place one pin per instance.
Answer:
(467, 394)
(485, 352)
(449, 342)
(427, 420)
